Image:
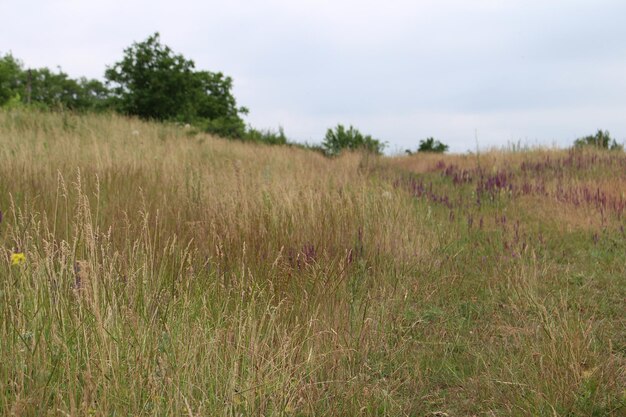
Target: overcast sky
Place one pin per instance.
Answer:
(539, 72)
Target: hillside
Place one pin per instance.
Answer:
(169, 273)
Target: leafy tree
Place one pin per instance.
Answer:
(602, 140)
(432, 145)
(153, 82)
(341, 138)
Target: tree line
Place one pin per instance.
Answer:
(153, 82)
(150, 81)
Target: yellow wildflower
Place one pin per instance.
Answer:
(18, 258)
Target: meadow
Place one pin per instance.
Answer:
(172, 273)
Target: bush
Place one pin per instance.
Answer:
(10, 70)
(266, 136)
(341, 138)
(602, 140)
(226, 127)
(432, 145)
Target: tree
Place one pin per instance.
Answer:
(341, 138)
(600, 140)
(432, 145)
(153, 82)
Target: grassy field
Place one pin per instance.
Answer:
(166, 273)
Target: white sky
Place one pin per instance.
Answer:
(539, 72)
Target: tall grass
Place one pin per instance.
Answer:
(173, 274)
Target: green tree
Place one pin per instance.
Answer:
(341, 138)
(153, 82)
(432, 145)
(602, 140)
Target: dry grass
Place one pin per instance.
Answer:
(169, 274)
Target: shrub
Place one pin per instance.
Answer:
(341, 138)
(432, 145)
(602, 140)
(266, 136)
(10, 70)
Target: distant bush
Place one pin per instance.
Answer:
(602, 140)
(340, 138)
(431, 145)
(309, 147)
(10, 72)
(223, 126)
(268, 136)
(14, 103)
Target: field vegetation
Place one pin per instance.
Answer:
(149, 270)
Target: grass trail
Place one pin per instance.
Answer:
(175, 274)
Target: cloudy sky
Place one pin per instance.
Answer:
(535, 72)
